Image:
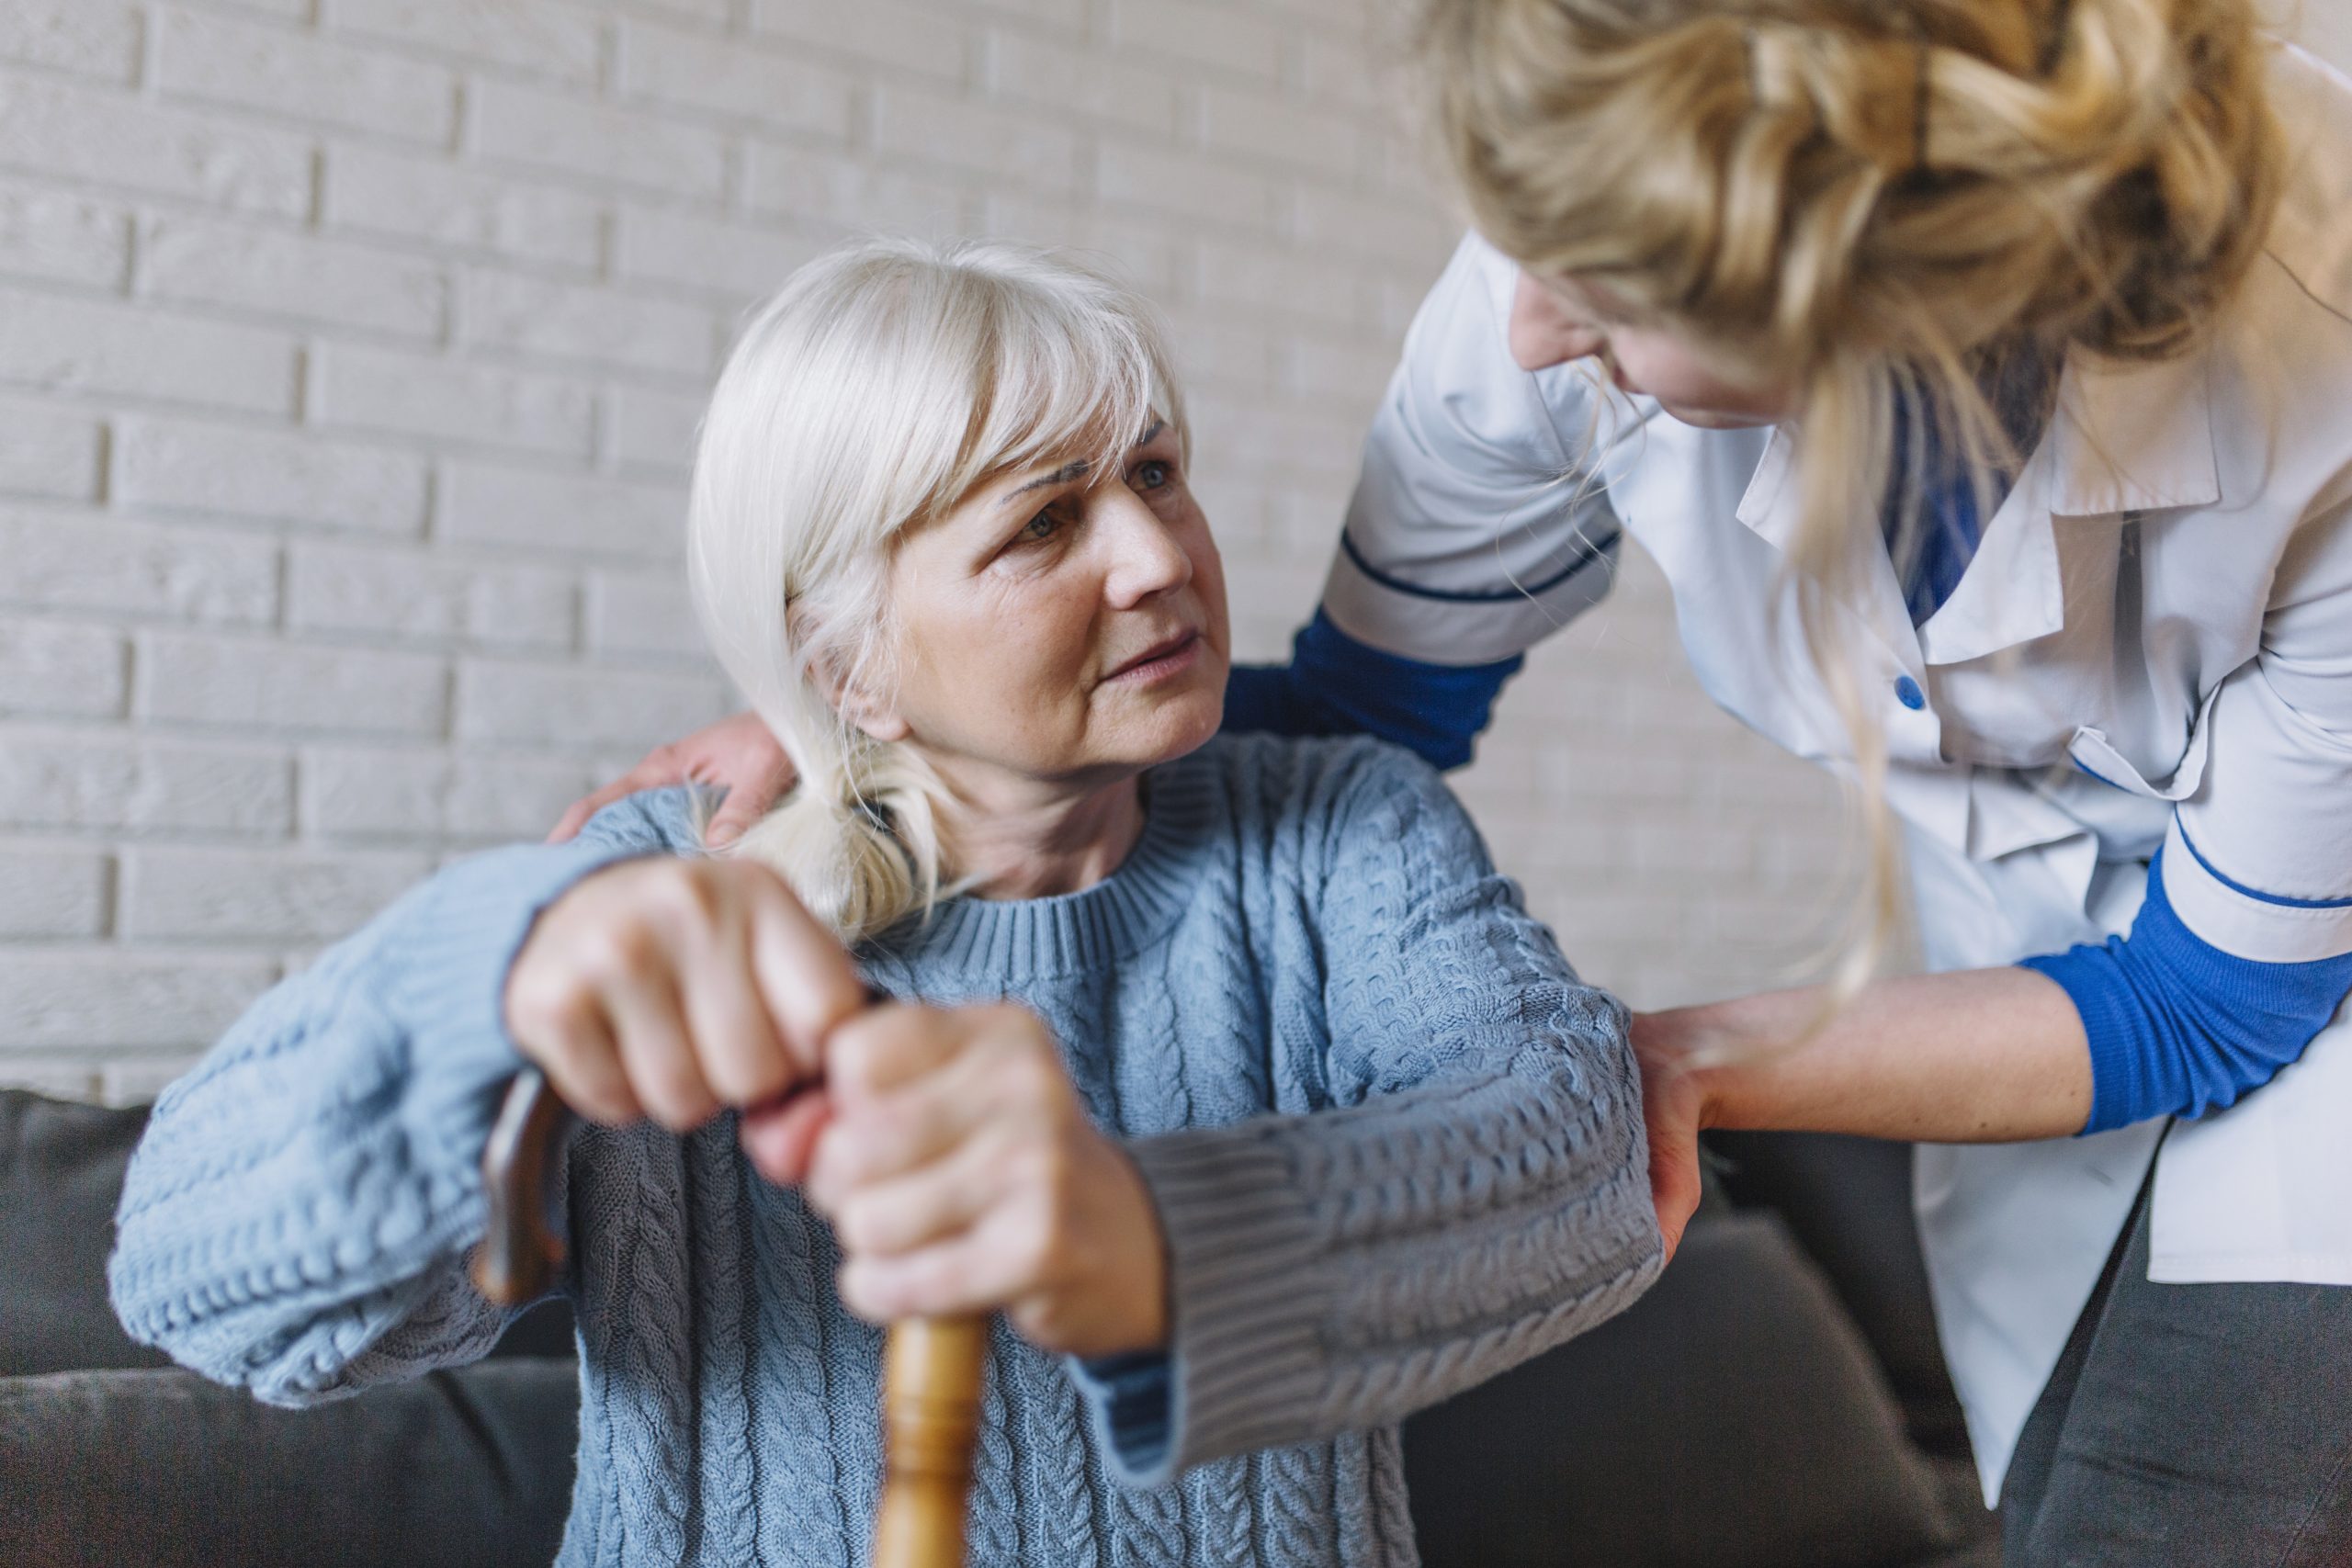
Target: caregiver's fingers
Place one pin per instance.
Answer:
(755, 778)
(659, 769)
(1675, 1189)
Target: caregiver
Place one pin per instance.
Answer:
(1982, 385)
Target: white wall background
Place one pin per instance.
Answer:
(349, 355)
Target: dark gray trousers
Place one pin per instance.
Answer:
(2189, 1426)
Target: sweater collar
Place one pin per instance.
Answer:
(1008, 940)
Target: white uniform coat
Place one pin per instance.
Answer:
(2152, 646)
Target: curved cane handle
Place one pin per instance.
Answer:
(520, 1255)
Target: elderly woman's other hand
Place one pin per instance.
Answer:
(672, 988)
(962, 1175)
(739, 754)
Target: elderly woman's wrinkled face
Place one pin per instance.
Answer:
(1062, 625)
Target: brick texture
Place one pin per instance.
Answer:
(351, 353)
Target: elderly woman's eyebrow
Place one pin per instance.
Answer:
(1077, 470)
(1062, 475)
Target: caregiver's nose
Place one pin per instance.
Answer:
(1543, 334)
(1145, 559)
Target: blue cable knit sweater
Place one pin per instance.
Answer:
(1395, 1145)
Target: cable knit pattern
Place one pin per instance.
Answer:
(1394, 1145)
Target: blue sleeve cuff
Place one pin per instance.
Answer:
(1130, 1396)
(1336, 685)
(2177, 1026)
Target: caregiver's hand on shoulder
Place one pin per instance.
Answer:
(673, 987)
(962, 1175)
(1674, 1110)
(739, 754)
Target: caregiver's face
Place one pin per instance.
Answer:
(1555, 319)
(1064, 625)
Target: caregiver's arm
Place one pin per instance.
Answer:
(2240, 955)
(1477, 1195)
(1476, 529)
(296, 1217)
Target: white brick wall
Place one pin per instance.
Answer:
(350, 353)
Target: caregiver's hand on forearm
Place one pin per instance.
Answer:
(1674, 1110)
(1976, 1057)
(673, 988)
(962, 1175)
(739, 754)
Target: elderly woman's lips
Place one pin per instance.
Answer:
(1165, 659)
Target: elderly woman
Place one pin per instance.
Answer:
(1227, 1069)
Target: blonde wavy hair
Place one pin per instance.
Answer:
(879, 386)
(1883, 202)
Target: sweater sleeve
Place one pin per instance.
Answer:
(297, 1215)
(1477, 1193)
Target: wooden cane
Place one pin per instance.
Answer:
(930, 1367)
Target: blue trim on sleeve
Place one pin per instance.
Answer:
(1585, 553)
(2177, 1026)
(1132, 1398)
(2234, 885)
(1336, 685)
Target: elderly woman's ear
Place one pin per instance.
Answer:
(857, 704)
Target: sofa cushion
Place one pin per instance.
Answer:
(61, 1172)
(162, 1468)
(1731, 1417)
(61, 1175)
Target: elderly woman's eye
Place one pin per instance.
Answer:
(1154, 472)
(1043, 526)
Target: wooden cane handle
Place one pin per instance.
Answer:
(523, 1251)
(930, 1410)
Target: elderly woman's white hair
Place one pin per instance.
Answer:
(881, 385)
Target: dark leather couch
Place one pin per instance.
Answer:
(1777, 1399)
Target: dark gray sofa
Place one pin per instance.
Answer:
(1744, 1415)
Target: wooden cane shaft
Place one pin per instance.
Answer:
(931, 1408)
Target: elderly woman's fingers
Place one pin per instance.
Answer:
(918, 1207)
(893, 1044)
(805, 978)
(741, 1054)
(649, 1023)
(968, 1273)
(568, 1038)
(913, 1084)
(780, 1139)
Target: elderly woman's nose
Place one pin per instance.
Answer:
(1146, 557)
